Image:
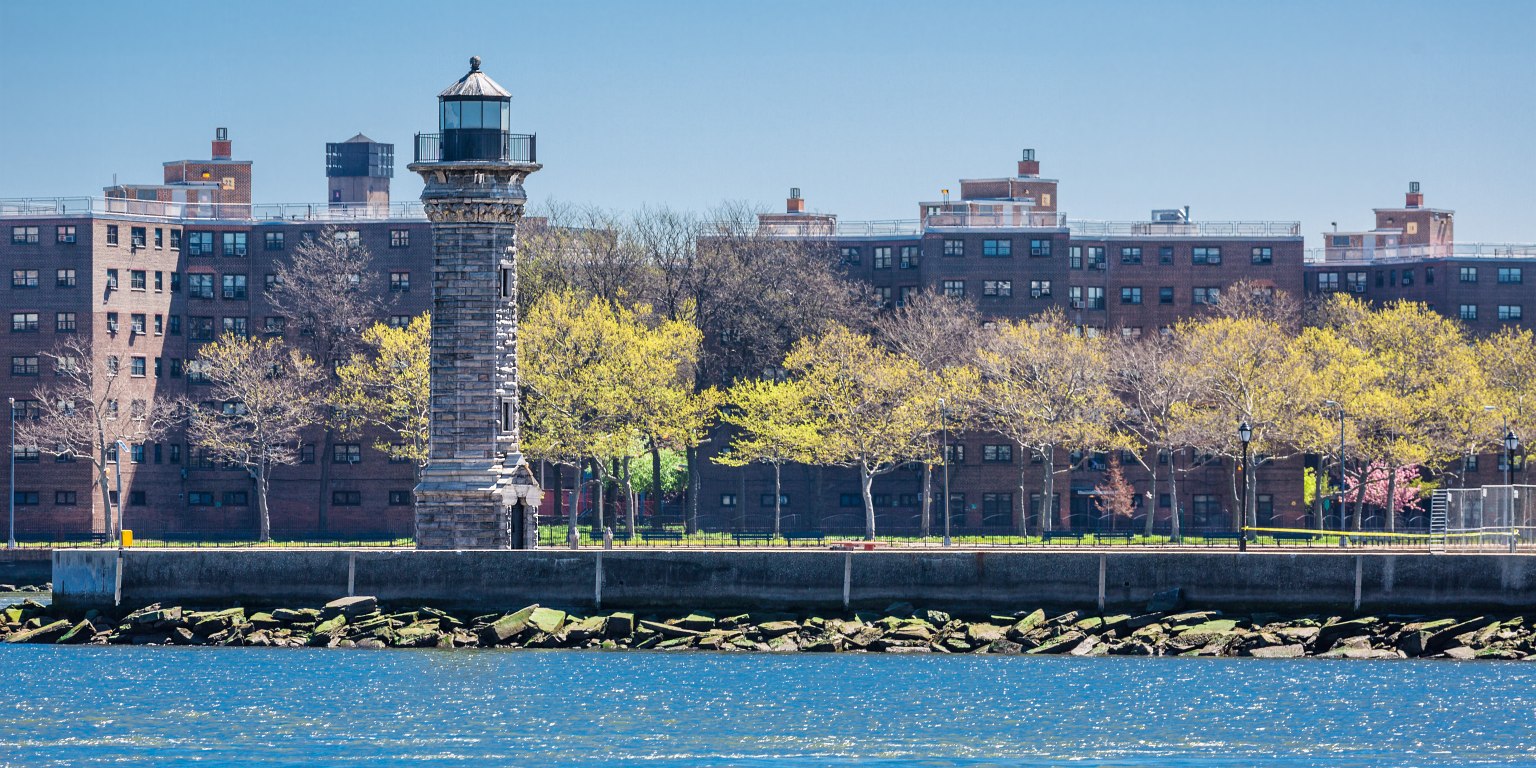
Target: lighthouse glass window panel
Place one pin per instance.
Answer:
(451, 115)
(469, 114)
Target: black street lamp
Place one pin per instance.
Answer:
(1343, 469)
(1245, 434)
(1511, 444)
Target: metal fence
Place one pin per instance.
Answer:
(1479, 517)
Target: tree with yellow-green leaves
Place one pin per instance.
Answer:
(1154, 379)
(387, 387)
(1242, 375)
(774, 425)
(1330, 374)
(873, 406)
(1508, 361)
(1432, 388)
(605, 383)
(1046, 387)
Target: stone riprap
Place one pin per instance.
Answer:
(362, 622)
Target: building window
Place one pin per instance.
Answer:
(175, 282)
(954, 247)
(28, 454)
(1429, 275)
(996, 508)
(1205, 255)
(1165, 254)
(1355, 281)
(159, 281)
(399, 321)
(65, 278)
(137, 322)
(850, 255)
(199, 243)
(64, 322)
(66, 234)
(1469, 274)
(111, 322)
(1075, 296)
(999, 288)
(111, 234)
(954, 288)
(1039, 288)
(1469, 464)
(138, 280)
(175, 239)
(24, 236)
(882, 257)
(1040, 247)
(399, 238)
(1096, 257)
(26, 498)
(200, 498)
(306, 454)
(1511, 275)
(1095, 297)
(137, 237)
(1327, 282)
(64, 498)
(236, 326)
(273, 241)
(234, 287)
(1207, 295)
(200, 328)
(173, 325)
(997, 248)
(234, 243)
(350, 237)
(400, 282)
(1075, 257)
(1130, 295)
(159, 325)
(24, 365)
(1509, 312)
(159, 238)
(766, 500)
(1407, 277)
(1165, 295)
(1205, 508)
(136, 453)
(909, 257)
(727, 499)
(1263, 255)
(111, 279)
(346, 453)
(24, 278)
(954, 453)
(1130, 255)
(268, 281)
(273, 325)
(138, 366)
(997, 454)
(200, 286)
(1130, 333)
(197, 371)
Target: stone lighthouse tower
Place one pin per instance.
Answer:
(476, 491)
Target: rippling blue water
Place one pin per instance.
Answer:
(261, 707)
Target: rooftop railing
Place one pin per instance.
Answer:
(1016, 218)
(1400, 253)
(98, 206)
(1106, 229)
(462, 145)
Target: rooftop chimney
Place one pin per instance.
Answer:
(795, 204)
(1028, 165)
(222, 149)
(1415, 197)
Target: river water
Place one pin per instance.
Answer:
(72, 706)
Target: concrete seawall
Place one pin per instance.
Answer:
(978, 581)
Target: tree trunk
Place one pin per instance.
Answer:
(262, 483)
(925, 519)
(112, 522)
(326, 459)
(1236, 515)
(777, 497)
(1251, 493)
(695, 487)
(1175, 528)
(866, 483)
(655, 483)
(1048, 489)
(1152, 503)
(629, 498)
(1392, 500)
(572, 530)
(1360, 498)
(1318, 479)
(1021, 518)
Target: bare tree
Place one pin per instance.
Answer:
(329, 293)
(267, 395)
(1154, 380)
(941, 333)
(91, 407)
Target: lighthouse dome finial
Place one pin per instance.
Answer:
(474, 63)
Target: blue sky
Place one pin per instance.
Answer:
(1283, 111)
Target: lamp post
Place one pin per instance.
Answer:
(1511, 444)
(117, 462)
(944, 431)
(1245, 434)
(11, 542)
(1343, 466)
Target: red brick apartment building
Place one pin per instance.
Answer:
(150, 272)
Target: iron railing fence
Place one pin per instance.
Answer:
(59, 207)
(477, 145)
